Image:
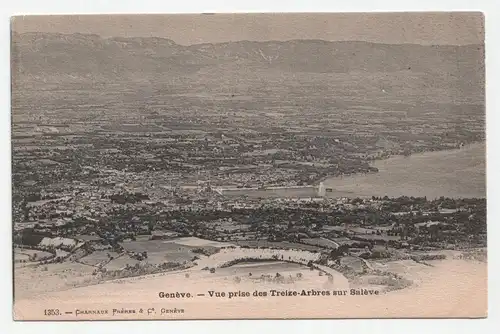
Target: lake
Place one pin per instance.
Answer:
(452, 173)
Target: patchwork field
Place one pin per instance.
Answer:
(230, 227)
(121, 262)
(98, 257)
(280, 245)
(354, 263)
(160, 251)
(31, 255)
(321, 242)
(269, 273)
(197, 242)
(155, 246)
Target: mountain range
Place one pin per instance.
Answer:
(60, 58)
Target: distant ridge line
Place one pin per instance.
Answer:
(243, 40)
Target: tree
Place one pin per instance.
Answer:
(151, 225)
(338, 252)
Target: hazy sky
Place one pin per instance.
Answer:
(420, 28)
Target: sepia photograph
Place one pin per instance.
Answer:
(249, 166)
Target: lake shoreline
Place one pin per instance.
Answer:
(437, 152)
(352, 185)
(429, 174)
(373, 162)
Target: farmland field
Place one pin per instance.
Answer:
(197, 242)
(31, 255)
(121, 262)
(155, 246)
(254, 270)
(231, 227)
(161, 251)
(280, 245)
(321, 242)
(97, 257)
(374, 237)
(354, 263)
(162, 257)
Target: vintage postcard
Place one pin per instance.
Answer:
(249, 166)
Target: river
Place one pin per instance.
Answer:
(451, 173)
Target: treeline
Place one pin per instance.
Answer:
(128, 198)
